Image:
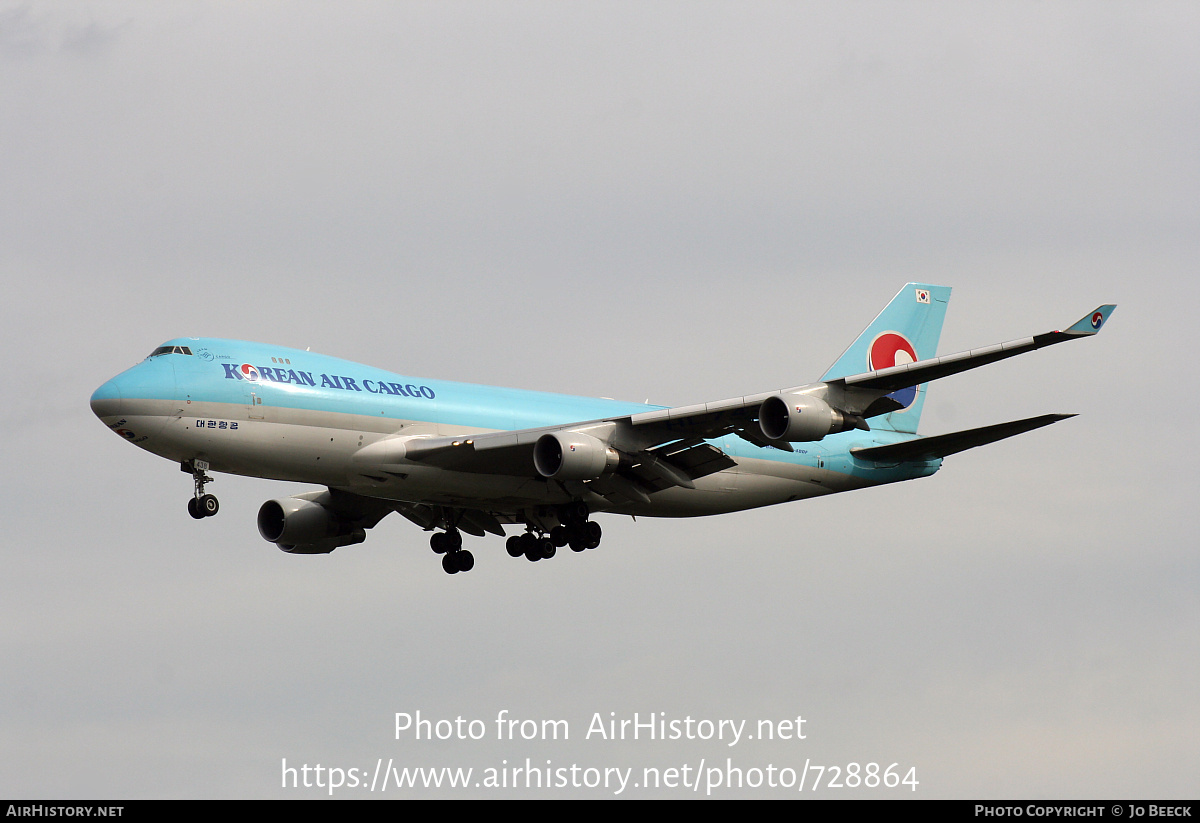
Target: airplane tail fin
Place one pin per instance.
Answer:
(905, 331)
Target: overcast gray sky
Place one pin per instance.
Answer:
(672, 201)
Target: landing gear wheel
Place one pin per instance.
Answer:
(455, 558)
(201, 504)
(514, 546)
(533, 550)
(547, 547)
(592, 533)
(522, 545)
(442, 542)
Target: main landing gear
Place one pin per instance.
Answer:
(455, 558)
(547, 530)
(575, 531)
(201, 505)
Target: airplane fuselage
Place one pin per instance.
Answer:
(284, 414)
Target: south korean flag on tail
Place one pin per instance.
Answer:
(922, 295)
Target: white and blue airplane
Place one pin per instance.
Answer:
(453, 457)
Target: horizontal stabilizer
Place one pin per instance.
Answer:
(929, 448)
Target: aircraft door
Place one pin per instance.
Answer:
(254, 401)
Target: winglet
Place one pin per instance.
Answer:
(1091, 323)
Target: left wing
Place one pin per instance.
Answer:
(627, 462)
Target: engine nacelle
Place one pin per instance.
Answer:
(299, 526)
(799, 418)
(573, 456)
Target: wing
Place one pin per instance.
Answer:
(855, 398)
(617, 460)
(628, 458)
(912, 374)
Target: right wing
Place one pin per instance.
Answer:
(913, 374)
(854, 398)
(633, 456)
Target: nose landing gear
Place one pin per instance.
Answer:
(201, 505)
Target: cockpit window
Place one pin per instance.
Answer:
(170, 350)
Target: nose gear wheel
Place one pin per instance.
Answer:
(201, 505)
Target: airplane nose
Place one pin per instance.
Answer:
(107, 400)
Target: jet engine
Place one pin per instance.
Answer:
(800, 418)
(573, 456)
(299, 526)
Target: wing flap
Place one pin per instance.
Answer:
(698, 460)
